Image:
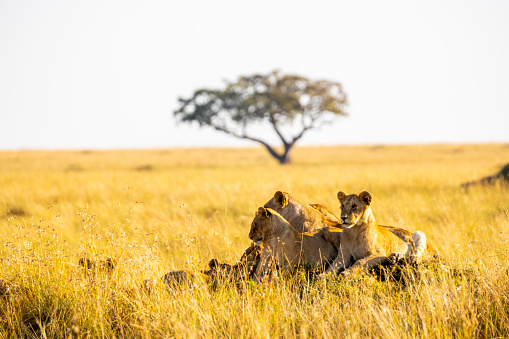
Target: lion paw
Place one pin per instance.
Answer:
(396, 258)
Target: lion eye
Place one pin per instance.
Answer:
(354, 207)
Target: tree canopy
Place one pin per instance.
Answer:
(282, 100)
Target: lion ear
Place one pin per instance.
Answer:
(341, 196)
(213, 263)
(263, 212)
(365, 197)
(281, 198)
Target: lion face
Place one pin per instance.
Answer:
(353, 207)
(261, 218)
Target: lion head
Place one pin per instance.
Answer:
(259, 224)
(280, 200)
(353, 207)
(303, 217)
(266, 223)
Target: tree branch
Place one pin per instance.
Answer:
(298, 136)
(278, 132)
(247, 137)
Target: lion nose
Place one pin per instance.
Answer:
(344, 219)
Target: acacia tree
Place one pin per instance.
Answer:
(281, 100)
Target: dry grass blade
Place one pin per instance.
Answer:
(133, 223)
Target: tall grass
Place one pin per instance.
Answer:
(162, 210)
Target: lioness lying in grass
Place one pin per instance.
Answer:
(283, 245)
(315, 217)
(365, 244)
(304, 218)
(315, 220)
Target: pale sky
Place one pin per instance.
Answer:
(107, 74)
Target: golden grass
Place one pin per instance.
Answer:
(161, 210)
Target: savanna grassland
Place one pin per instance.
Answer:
(161, 210)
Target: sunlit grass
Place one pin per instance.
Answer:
(162, 210)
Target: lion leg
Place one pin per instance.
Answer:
(332, 237)
(365, 263)
(340, 262)
(264, 267)
(417, 247)
(252, 253)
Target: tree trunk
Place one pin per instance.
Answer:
(283, 158)
(286, 157)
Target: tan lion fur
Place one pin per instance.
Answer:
(310, 219)
(418, 237)
(365, 244)
(306, 218)
(315, 217)
(303, 217)
(283, 245)
(327, 213)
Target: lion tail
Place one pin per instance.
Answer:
(419, 239)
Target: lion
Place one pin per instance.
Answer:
(285, 246)
(365, 244)
(305, 218)
(174, 280)
(315, 217)
(401, 233)
(184, 278)
(310, 219)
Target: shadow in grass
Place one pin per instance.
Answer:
(402, 274)
(74, 168)
(144, 168)
(414, 273)
(36, 310)
(16, 211)
(217, 276)
(501, 178)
